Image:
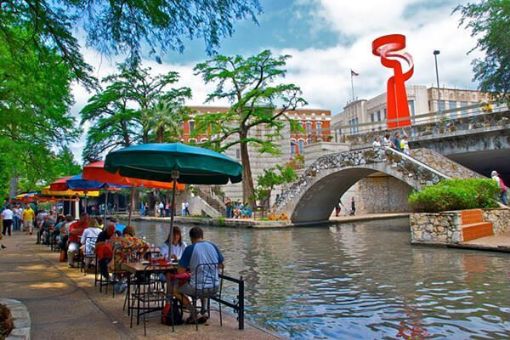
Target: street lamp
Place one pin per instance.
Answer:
(436, 52)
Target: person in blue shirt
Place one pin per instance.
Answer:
(199, 252)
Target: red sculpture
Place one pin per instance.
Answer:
(387, 47)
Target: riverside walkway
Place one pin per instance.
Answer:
(64, 304)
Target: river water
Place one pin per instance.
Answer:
(362, 280)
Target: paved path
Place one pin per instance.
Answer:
(64, 304)
(499, 242)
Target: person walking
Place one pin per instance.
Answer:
(502, 187)
(404, 146)
(353, 206)
(7, 217)
(396, 142)
(338, 207)
(28, 220)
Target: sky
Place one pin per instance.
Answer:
(327, 39)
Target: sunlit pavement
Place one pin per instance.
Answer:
(64, 304)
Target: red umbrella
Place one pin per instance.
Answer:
(95, 172)
(60, 184)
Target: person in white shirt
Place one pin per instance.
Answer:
(178, 245)
(88, 240)
(7, 216)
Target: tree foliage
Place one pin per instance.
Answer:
(134, 107)
(34, 109)
(258, 100)
(489, 22)
(271, 178)
(122, 26)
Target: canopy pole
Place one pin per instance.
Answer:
(172, 214)
(175, 176)
(131, 204)
(105, 206)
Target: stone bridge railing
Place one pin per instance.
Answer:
(406, 168)
(435, 125)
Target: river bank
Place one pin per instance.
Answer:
(257, 223)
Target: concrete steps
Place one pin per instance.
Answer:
(473, 226)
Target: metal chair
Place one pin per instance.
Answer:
(208, 284)
(89, 253)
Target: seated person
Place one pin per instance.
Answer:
(178, 245)
(63, 235)
(104, 251)
(88, 240)
(199, 252)
(75, 231)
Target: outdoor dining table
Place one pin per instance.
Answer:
(141, 270)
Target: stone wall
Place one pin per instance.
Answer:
(438, 228)
(380, 193)
(500, 219)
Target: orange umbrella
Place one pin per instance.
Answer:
(95, 172)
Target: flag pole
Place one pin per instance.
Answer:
(352, 85)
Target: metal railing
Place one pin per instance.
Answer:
(238, 302)
(443, 116)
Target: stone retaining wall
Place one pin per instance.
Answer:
(21, 318)
(443, 228)
(500, 219)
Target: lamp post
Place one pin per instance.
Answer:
(436, 52)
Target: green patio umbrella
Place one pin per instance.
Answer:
(172, 162)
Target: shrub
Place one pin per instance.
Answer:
(456, 194)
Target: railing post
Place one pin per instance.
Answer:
(241, 303)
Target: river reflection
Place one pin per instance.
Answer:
(362, 281)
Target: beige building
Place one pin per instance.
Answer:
(370, 114)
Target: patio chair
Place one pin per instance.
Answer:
(89, 254)
(208, 285)
(148, 296)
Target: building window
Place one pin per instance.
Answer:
(308, 126)
(378, 116)
(319, 128)
(441, 105)
(301, 146)
(372, 116)
(292, 148)
(463, 105)
(411, 107)
(191, 124)
(384, 114)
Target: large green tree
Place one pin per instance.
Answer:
(34, 105)
(134, 107)
(258, 99)
(489, 22)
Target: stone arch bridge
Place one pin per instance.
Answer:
(312, 198)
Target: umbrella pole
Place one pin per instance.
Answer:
(105, 206)
(131, 204)
(172, 214)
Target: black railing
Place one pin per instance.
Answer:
(238, 303)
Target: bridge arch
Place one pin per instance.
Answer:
(316, 203)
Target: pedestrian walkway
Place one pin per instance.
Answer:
(500, 242)
(64, 304)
